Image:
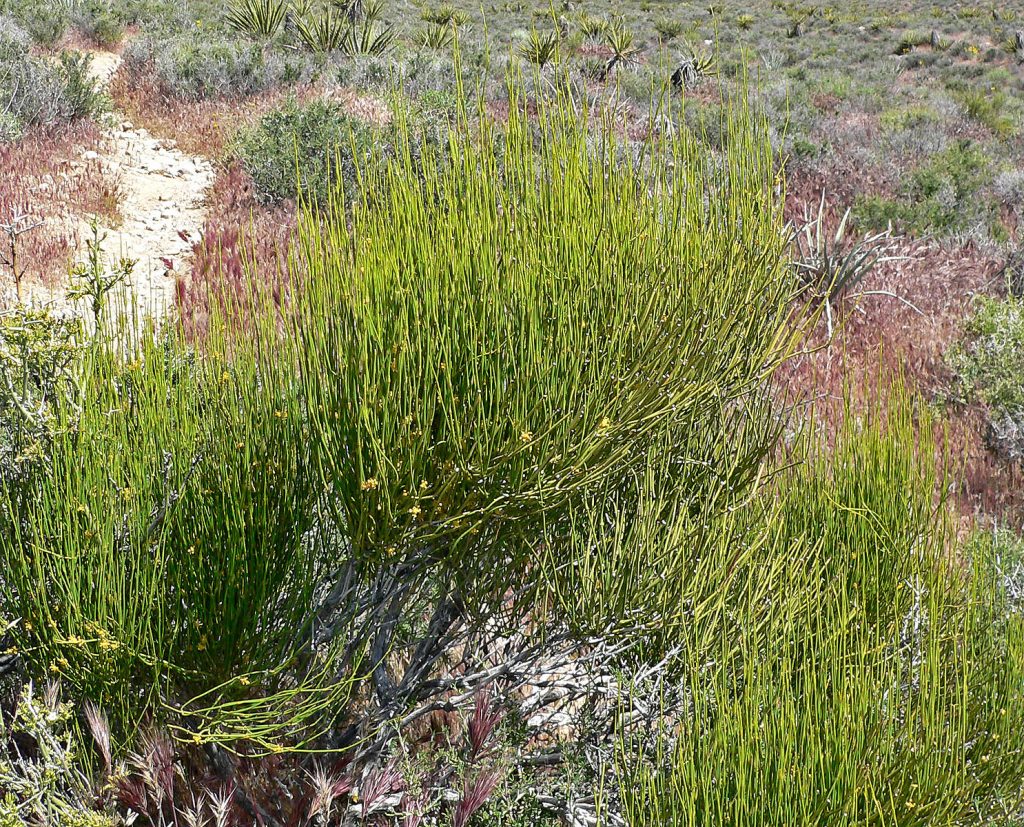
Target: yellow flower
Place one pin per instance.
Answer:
(415, 511)
(54, 668)
(202, 644)
(81, 509)
(281, 414)
(369, 484)
(12, 650)
(244, 680)
(604, 423)
(526, 436)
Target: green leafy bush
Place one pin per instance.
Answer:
(991, 362)
(36, 92)
(305, 150)
(101, 21)
(939, 196)
(45, 22)
(989, 365)
(988, 107)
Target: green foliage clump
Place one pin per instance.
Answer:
(940, 196)
(46, 23)
(989, 108)
(866, 680)
(305, 150)
(101, 21)
(41, 775)
(990, 364)
(35, 92)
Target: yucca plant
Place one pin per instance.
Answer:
(352, 9)
(694, 68)
(261, 19)
(370, 35)
(445, 15)
(830, 264)
(323, 33)
(539, 48)
(590, 26)
(622, 41)
(668, 28)
(436, 36)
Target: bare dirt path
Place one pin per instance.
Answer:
(161, 207)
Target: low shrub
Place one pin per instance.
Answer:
(44, 21)
(101, 21)
(196, 68)
(941, 196)
(36, 92)
(989, 365)
(305, 150)
(988, 107)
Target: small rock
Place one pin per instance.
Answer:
(127, 126)
(90, 155)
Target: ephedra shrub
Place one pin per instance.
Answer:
(849, 665)
(471, 352)
(515, 394)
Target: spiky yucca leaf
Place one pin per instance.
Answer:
(540, 48)
(257, 18)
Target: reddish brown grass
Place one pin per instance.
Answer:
(241, 238)
(44, 176)
(198, 127)
(902, 320)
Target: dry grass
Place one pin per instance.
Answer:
(904, 317)
(199, 127)
(241, 236)
(44, 176)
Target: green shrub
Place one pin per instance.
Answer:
(305, 150)
(37, 92)
(846, 663)
(989, 366)
(988, 107)
(45, 22)
(100, 21)
(474, 348)
(940, 196)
